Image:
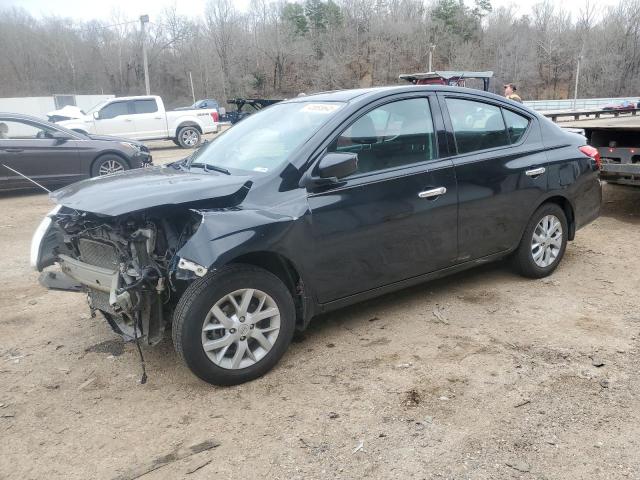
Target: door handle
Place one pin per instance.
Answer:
(434, 192)
(536, 172)
(13, 150)
(127, 119)
(157, 118)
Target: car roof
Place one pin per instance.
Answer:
(349, 95)
(22, 116)
(379, 92)
(136, 97)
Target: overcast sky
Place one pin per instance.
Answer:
(103, 9)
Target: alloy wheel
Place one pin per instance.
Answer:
(546, 242)
(110, 166)
(189, 137)
(241, 328)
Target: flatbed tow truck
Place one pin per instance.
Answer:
(616, 135)
(452, 78)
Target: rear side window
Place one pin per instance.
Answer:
(393, 135)
(516, 125)
(114, 110)
(476, 125)
(145, 106)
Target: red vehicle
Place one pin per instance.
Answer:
(624, 105)
(456, 78)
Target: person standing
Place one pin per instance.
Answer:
(510, 92)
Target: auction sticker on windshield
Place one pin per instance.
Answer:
(320, 107)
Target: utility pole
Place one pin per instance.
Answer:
(144, 19)
(431, 49)
(193, 93)
(575, 90)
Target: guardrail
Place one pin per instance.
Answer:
(588, 113)
(580, 103)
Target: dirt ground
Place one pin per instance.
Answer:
(484, 375)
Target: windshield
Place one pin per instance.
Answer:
(263, 141)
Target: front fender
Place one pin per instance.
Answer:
(227, 233)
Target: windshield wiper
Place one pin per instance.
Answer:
(208, 167)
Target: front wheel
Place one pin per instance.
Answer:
(188, 137)
(108, 164)
(543, 243)
(233, 325)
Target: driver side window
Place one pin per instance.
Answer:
(14, 130)
(114, 110)
(393, 135)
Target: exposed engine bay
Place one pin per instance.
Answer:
(128, 265)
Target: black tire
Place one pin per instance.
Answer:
(103, 162)
(523, 257)
(175, 140)
(200, 296)
(188, 137)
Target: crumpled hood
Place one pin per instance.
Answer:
(70, 111)
(144, 188)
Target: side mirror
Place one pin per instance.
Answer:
(96, 115)
(337, 165)
(59, 136)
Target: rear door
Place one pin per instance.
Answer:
(500, 164)
(27, 148)
(149, 121)
(116, 118)
(396, 217)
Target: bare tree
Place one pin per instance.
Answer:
(281, 49)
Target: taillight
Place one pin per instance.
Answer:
(214, 116)
(592, 152)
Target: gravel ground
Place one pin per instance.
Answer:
(484, 375)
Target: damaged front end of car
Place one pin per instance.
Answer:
(128, 265)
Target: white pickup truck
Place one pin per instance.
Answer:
(144, 118)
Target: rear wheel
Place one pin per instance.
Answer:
(233, 325)
(108, 164)
(543, 243)
(188, 137)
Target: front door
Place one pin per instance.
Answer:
(117, 119)
(396, 217)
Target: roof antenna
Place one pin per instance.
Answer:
(24, 176)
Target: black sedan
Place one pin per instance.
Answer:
(53, 156)
(313, 204)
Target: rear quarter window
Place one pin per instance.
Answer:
(516, 125)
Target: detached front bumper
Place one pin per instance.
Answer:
(43, 241)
